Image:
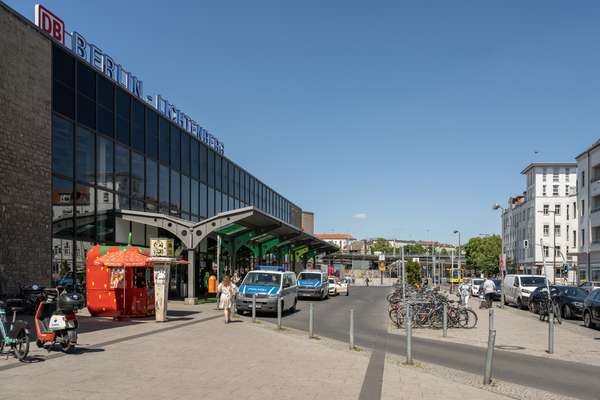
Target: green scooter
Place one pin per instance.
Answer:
(15, 334)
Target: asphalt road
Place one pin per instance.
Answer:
(371, 322)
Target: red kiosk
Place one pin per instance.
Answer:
(119, 282)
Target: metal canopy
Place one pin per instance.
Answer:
(231, 224)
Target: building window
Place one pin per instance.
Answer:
(567, 232)
(185, 194)
(554, 190)
(582, 208)
(195, 196)
(163, 141)
(175, 148)
(62, 147)
(194, 159)
(546, 251)
(185, 153)
(567, 173)
(557, 230)
(137, 126)
(175, 193)
(555, 175)
(163, 188)
(85, 156)
(137, 177)
(123, 116)
(582, 178)
(543, 190)
(567, 212)
(574, 238)
(546, 209)
(544, 171)
(122, 169)
(582, 237)
(557, 251)
(203, 201)
(557, 209)
(105, 106)
(546, 230)
(151, 186)
(151, 134)
(86, 96)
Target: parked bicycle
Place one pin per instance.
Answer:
(15, 334)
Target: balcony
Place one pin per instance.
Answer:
(595, 187)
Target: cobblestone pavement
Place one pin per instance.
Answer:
(196, 355)
(521, 331)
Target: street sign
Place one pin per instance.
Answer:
(381, 257)
(162, 247)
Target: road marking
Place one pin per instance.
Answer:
(371, 387)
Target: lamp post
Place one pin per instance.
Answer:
(458, 267)
(499, 207)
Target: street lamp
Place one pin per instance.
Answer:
(452, 274)
(497, 206)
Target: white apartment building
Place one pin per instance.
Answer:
(341, 240)
(588, 201)
(539, 227)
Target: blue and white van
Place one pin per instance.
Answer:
(268, 285)
(313, 283)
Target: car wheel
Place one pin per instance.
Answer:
(293, 308)
(587, 320)
(520, 303)
(566, 312)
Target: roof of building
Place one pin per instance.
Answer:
(592, 147)
(333, 236)
(548, 164)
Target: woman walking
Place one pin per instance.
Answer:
(226, 292)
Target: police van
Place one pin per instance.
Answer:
(268, 283)
(313, 283)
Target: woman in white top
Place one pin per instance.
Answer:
(226, 291)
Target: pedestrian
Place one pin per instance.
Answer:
(465, 292)
(236, 279)
(489, 288)
(367, 281)
(226, 292)
(205, 281)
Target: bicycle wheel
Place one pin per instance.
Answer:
(21, 346)
(468, 318)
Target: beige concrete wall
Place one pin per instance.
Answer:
(308, 222)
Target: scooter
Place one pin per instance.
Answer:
(55, 320)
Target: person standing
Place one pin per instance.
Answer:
(489, 288)
(226, 292)
(465, 291)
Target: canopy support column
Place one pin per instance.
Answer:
(191, 278)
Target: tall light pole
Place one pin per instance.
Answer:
(452, 275)
(499, 207)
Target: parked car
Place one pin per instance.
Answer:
(518, 288)
(498, 293)
(591, 309)
(337, 287)
(268, 286)
(589, 286)
(570, 301)
(539, 294)
(313, 283)
(476, 285)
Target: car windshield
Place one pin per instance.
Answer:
(262, 279)
(331, 280)
(309, 276)
(533, 281)
(497, 282)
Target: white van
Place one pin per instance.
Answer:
(518, 288)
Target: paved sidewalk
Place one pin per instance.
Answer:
(196, 355)
(521, 331)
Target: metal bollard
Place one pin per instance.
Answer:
(409, 358)
(550, 332)
(279, 300)
(254, 307)
(492, 323)
(489, 358)
(445, 321)
(352, 329)
(311, 315)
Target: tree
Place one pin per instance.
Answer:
(381, 245)
(444, 252)
(413, 272)
(483, 253)
(414, 249)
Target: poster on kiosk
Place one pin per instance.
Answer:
(162, 256)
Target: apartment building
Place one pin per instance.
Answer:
(539, 226)
(588, 201)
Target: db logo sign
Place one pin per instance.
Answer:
(50, 23)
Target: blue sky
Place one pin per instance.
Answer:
(416, 115)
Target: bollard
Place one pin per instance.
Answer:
(409, 359)
(254, 307)
(489, 358)
(352, 329)
(311, 315)
(279, 312)
(492, 324)
(550, 332)
(445, 321)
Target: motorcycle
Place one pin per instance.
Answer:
(55, 319)
(31, 296)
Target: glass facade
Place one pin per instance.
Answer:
(111, 151)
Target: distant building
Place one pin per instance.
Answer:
(588, 201)
(544, 213)
(308, 222)
(341, 240)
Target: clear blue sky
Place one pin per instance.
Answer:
(419, 115)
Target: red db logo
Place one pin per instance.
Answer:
(49, 23)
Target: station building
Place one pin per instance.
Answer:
(86, 157)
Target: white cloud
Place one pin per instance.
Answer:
(360, 216)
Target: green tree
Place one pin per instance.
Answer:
(381, 245)
(414, 249)
(444, 252)
(482, 253)
(413, 272)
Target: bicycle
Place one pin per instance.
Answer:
(546, 306)
(14, 334)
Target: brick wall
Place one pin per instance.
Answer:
(25, 158)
